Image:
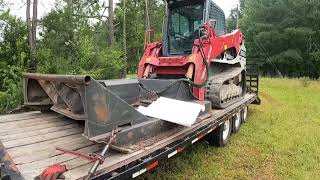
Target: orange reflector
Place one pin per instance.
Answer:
(200, 137)
(179, 150)
(155, 164)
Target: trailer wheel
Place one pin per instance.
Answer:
(236, 121)
(220, 136)
(244, 114)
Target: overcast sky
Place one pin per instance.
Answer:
(18, 6)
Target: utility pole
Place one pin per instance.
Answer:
(124, 73)
(147, 19)
(166, 6)
(110, 20)
(32, 31)
(237, 17)
(34, 24)
(28, 21)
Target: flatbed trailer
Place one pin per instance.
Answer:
(28, 144)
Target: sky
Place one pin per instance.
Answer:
(18, 6)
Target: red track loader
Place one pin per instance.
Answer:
(197, 49)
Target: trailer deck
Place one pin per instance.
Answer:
(28, 141)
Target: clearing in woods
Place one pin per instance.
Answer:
(280, 141)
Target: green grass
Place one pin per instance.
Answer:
(280, 141)
(131, 76)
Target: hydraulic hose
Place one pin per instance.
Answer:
(204, 59)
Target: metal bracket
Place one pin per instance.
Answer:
(96, 164)
(90, 157)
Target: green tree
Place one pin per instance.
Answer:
(284, 35)
(14, 59)
(74, 41)
(136, 26)
(232, 20)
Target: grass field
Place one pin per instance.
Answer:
(131, 76)
(280, 141)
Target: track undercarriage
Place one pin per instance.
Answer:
(226, 87)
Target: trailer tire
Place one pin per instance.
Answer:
(236, 122)
(244, 114)
(221, 135)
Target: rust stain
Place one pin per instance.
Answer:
(130, 135)
(6, 159)
(142, 130)
(101, 109)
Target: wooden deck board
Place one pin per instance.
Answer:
(19, 115)
(39, 166)
(39, 154)
(34, 122)
(21, 135)
(47, 144)
(28, 117)
(33, 128)
(31, 140)
(41, 138)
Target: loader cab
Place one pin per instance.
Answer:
(183, 20)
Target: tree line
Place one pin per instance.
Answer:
(96, 38)
(282, 36)
(76, 37)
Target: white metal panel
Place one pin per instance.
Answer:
(175, 111)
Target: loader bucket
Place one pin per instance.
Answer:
(103, 105)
